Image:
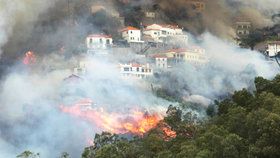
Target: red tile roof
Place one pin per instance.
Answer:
(179, 50)
(172, 26)
(136, 65)
(159, 56)
(152, 29)
(99, 36)
(129, 28)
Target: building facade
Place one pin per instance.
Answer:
(164, 33)
(243, 26)
(136, 70)
(273, 48)
(193, 55)
(131, 34)
(98, 42)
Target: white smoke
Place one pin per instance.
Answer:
(230, 68)
(31, 119)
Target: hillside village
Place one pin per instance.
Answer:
(140, 78)
(163, 45)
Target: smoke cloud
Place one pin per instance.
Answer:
(34, 120)
(229, 69)
(19, 16)
(219, 16)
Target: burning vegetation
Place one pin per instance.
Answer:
(135, 122)
(29, 58)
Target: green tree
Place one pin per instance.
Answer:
(243, 98)
(28, 154)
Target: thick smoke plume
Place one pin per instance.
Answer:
(218, 16)
(19, 16)
(35, 121)
(230, 68)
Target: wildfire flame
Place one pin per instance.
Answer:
(168, 132)
(136, 122)
(29, 58)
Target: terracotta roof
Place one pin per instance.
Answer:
(129, 28)
(136, 65)
(99, 36)
(172, 26)
(151, 29)
(159, 56)
(179, 50)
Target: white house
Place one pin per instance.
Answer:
(273, 48)
(161, 33)
(98, 42)
(136, 70)
(131, 34)
(154, 33)
(194, 55)
(162, 61)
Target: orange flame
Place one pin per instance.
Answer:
(136, 122)
(169, 134)
(29, 58)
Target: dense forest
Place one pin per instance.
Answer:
(245, 125)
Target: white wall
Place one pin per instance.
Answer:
(161, 62)
(164, 32)
(140, 71)
(98, 42)
(132, 36)
(155, 34)
(273, 49)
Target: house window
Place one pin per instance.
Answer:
(164, 32)
(90, 40)
(126, 69)
(137, 69)
(107, 41)
(155, 33)
(131, 32)
(100, 41)
(143, 70)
